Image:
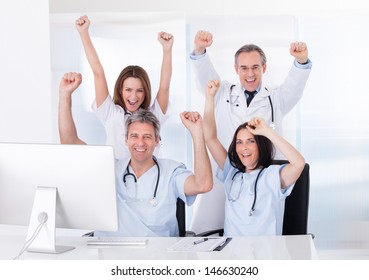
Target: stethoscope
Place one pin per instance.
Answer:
(233, 199)
(236, 103)
(153, 201)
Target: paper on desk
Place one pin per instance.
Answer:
(186, 244)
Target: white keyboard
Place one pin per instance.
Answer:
(117, 242)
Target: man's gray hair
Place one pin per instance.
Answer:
(144, 116)
(250, 48)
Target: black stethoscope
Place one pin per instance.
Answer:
(235, 103)
(233, 199)
(153, 200)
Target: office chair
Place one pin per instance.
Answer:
(295, 219)
(181, 217)
(296, 208)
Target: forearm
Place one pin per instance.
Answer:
(91, 54)
(165, 79)
(202, 166)
(210, 130)
(101, 87)
(216, 148)
(294, 157)
(67, 129)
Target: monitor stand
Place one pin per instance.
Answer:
(44, 211)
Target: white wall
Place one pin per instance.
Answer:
(211, 7)
(25, 101)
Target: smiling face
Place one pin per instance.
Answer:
(250, 70)
(247, 149)
(133, 94)
(141, 141)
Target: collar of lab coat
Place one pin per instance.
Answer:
(238, 90)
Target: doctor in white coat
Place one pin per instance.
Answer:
(272, 104)
(238, 103)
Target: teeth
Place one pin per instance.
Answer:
(140, 150)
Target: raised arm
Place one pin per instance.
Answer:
(202, 180)
(101, 87)
(202, 66)
(216, 148)
(67, 129)
(166, 40)
(291, 172)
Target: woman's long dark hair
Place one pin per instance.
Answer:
(265, 148)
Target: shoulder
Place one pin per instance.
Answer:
(274, 168)
(272, 174)
(108, 104)
(121, 164)
(170, 164)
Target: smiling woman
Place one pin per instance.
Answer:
(132, 92)
(112, 51)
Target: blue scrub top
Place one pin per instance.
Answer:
(267, 218)
(137, 216)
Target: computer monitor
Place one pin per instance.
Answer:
(69, 186)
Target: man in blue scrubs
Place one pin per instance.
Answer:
(147, 187)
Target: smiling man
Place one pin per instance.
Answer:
(237, 103)
(147, 187)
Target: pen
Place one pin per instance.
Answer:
(200, 241)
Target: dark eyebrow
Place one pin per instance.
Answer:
(251, 65)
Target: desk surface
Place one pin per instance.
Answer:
(299, 247)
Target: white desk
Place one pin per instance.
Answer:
(299, 247)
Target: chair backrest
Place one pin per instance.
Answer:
(181, 217)
(296, 209)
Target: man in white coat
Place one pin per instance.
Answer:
(231, 106)
(238, 103)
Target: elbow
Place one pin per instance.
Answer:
(207, 185)
(300, 164)
(98, 73)
(70, 140)
(64, 139)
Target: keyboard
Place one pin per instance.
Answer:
(117, 242)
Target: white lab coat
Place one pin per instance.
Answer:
(230, 105)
